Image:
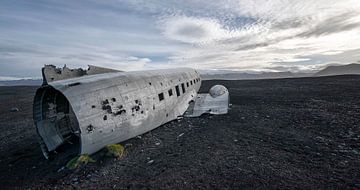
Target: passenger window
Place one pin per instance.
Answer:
(183, 87)
(187, 84)
(170, 92)
(177, 90)
(194, 81)
(191, 82)
(161, 96)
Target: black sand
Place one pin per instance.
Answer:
(279, 134)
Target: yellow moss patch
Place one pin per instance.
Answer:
(79, 161)
(115, 150)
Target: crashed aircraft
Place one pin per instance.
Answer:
(89, 109)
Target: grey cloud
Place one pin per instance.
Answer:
(261, 44)
(280, 68)
(17, 69)
(291, 23)
(253, 46)
(191, 31)
(344, 57)
(79, 57)
(107, 33)
(83, 56)
(214, 56)
(316, 61)
(331, 25)
(237, 40)
(16, 49)
(338, 23)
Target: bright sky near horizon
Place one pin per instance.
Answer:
(247, 35)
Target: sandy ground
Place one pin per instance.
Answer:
(279, 134)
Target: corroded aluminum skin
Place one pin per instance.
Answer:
(215, 102)
(125, 90)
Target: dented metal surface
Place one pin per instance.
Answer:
(51, 73)
(92, 111)
(216, 102)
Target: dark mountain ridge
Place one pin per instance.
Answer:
(350, 69)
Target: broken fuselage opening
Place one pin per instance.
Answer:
(56, 123)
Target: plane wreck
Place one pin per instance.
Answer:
(89, 109)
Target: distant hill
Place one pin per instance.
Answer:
(351, 69)
(21, 82)
(244, 76)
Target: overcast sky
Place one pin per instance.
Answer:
(249, 35)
